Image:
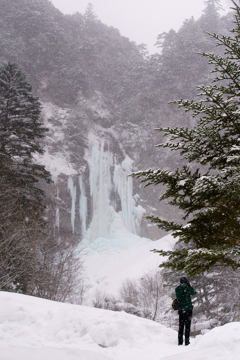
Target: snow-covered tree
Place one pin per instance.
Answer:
(21, 199)
(207, 187)
(20, 133)
(32, 259)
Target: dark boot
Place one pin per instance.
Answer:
(180, 340)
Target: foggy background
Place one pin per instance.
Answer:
(140, 20)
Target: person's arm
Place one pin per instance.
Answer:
(192, 290)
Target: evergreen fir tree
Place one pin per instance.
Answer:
(21, 198)
(20, 133)
(207, 187)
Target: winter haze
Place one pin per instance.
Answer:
(79, 278)
(139, 20)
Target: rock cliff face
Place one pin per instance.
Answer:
(93, 85)
(94, 196)
(87, 77)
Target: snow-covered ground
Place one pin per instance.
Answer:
(37, 329)
(109, 262)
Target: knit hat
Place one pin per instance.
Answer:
(184, 280)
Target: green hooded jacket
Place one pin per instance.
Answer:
(183, 294)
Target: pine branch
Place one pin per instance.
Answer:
(196, 261)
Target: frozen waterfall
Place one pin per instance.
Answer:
(111, 195)
(113, 204)
(130, 214)
(83, 206)
(73, 191)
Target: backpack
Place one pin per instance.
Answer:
(175, 304)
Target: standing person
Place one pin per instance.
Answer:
(184, 291)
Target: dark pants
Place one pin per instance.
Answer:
(185, 318)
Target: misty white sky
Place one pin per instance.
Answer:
(139, 20)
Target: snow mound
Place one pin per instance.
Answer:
(54, 330)
(32, 328)
(222, 343)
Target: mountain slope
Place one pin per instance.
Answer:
(102, 95)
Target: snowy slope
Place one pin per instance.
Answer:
(109, 262)
(36, 329)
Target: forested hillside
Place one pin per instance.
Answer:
(102, 96)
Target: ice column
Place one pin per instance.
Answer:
(131, 214)
(83, 206)
(57, 218)
(100, 163)
(73, 193)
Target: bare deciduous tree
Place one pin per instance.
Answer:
(146, 294)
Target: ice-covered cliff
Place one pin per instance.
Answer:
(94, 193)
